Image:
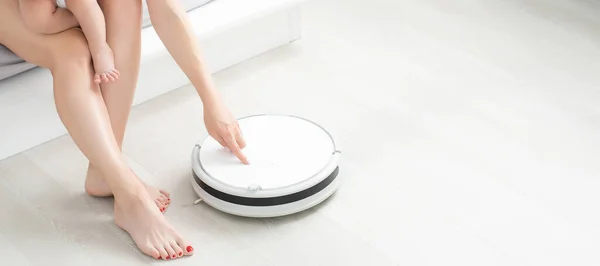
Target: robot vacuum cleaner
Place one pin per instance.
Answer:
(293, 167)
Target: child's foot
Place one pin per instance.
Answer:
(104, 64)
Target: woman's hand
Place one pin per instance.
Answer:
(224, 128)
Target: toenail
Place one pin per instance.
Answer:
(189, 249)
(173, 256)
(180, 253)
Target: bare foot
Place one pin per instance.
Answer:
(95, 186)
(104, 65)
(136, 213)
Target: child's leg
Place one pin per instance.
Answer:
(91, 20)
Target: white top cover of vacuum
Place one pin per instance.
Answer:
(286, 153)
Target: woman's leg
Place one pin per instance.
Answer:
(84, 114)
(123, 23)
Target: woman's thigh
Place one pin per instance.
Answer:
(38, 49)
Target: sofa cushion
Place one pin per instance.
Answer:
(10, 64)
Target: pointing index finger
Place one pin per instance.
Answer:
(233, 147)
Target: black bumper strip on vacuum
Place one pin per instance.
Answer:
(265, 202)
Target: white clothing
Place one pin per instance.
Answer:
(61, 3)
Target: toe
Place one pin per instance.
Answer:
(189, 250)
(104, 78)
(151, 251)
(97, 79)
(165, 193)
(114, 75)
(155, 254)
(170, 251)
(177, 249)
(186, 248)
(163, 253)
(161, 204)
(110, 77)
(160, 200)
(164, 199)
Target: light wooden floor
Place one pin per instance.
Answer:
(470, 131)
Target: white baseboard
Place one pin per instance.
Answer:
(230, 31)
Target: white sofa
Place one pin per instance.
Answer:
(230, 31)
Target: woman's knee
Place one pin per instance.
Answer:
(71, 51)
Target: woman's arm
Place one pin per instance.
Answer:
(173, 28)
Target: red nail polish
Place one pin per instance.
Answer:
(167, 258)
(180, 253)
(173, 256)
(189, 249)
